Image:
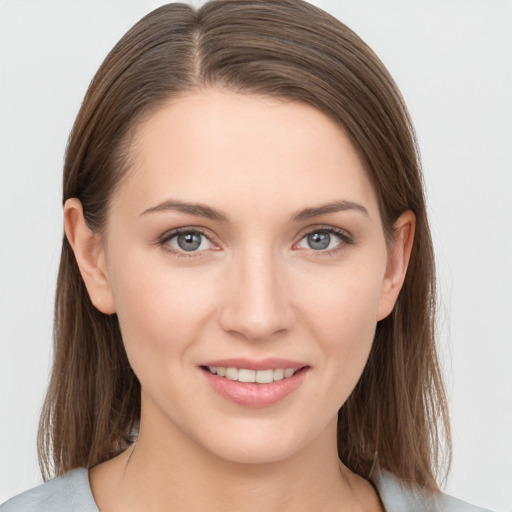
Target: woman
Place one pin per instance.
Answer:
(244, 312)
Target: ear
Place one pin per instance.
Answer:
(90, 256)
(398, 261)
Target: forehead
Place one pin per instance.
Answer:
(243, 151)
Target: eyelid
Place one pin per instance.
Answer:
(345, 237)
(163, 240)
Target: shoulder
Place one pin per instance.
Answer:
(67, 492)
(398, 497)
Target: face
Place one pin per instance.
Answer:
(245, 258)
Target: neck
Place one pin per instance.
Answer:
(160, 473)
(191, 478)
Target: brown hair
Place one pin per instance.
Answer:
(396, 417)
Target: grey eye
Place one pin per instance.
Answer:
(189, 241)
(319, 240)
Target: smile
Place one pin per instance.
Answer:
(256, 376)
(255, 384)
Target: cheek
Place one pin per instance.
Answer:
(341, 312)
(347, 298)
(161, 310)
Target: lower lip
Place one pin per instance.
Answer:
(251, 394)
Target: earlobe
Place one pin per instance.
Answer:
(90, 256)
(398, 261)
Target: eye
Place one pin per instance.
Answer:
(325, 239)
(188, 241)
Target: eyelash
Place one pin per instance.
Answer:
(345, 240)
(163, 242)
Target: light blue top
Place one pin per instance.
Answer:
(72, 493)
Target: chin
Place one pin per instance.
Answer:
(259, 453)
(262, 443)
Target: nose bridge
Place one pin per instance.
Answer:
(257, 305)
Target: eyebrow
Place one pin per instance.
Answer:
(201, 210)
(196, 209)
(336, 206)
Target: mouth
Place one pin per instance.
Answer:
(254, 384)
(252, 376)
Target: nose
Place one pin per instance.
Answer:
(256, 304)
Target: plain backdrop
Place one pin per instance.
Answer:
(452, 60)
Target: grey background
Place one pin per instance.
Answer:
(452, 61)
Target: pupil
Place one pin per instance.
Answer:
(319, 240)
(189, 241)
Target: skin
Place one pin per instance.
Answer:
(255, 289)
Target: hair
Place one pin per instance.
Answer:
(396, 417)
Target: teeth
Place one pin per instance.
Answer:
(246, 375)
(232, 373)
(259, 376)
(279, 374)
(264, 376)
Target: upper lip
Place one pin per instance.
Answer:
(255, 364)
